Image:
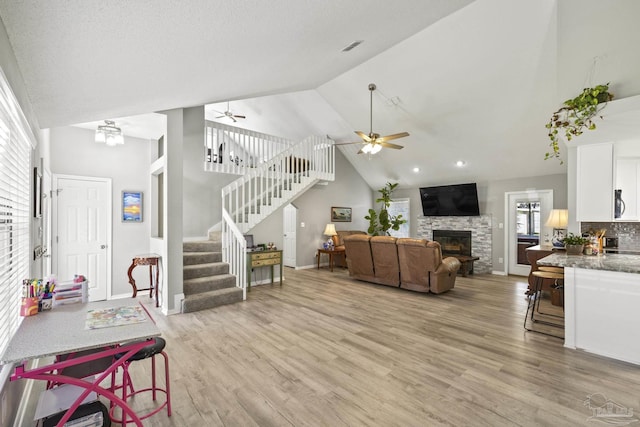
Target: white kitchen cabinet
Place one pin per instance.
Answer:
(594, 185)
(627, 175)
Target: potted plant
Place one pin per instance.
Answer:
(380, 222)
(574, 244)
(575, 116)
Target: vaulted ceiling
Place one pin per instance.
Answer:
(469, 80)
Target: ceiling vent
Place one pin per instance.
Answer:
(352, 45)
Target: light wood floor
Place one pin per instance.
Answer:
(324, 350)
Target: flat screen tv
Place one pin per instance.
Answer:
(450, 200)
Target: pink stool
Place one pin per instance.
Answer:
(155, 347)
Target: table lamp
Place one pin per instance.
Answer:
(558, 219)
(330, 230)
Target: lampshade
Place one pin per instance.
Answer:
(109, 134)
(330, 230)
(558, 218)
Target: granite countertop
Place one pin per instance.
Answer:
(610, 262)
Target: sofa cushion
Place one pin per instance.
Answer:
(343, 233)
(413, 257)
(359, 260)
(385, 260)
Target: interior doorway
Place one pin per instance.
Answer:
(290, 219)
(525, 214)
(82, 230)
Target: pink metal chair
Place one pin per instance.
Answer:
(155, 347)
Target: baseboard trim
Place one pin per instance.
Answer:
(499, 273)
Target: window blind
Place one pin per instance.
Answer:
(16, 141)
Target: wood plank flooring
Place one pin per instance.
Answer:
(326, 350)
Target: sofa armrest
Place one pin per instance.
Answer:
(450, 264)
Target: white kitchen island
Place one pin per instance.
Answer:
(601, 303)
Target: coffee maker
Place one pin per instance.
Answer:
(618, 204)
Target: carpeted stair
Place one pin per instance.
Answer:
(207, 282)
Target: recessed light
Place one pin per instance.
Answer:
(461, 163)
(416, 170)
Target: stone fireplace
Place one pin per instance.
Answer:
(453, 242)
(479, 227)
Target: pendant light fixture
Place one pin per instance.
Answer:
(109, 134)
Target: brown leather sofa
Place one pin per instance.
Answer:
(414, 264)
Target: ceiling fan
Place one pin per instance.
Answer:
(373, 142)
(229, 114)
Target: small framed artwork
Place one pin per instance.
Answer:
(37, 193)
(340, 214)
(132, 206)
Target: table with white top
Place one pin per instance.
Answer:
(62, 331)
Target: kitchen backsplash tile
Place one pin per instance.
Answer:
(628, 233)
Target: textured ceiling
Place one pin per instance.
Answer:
(469, 80)
(85, 60)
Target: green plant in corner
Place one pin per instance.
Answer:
(380, 222)
(575, 116)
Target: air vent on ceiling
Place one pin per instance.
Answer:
(352, 45)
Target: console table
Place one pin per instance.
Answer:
(263, 259)
(152, 260)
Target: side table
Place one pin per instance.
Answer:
(331, 253)
(153, 261)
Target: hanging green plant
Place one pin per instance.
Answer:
(381, 222)
(576, 116)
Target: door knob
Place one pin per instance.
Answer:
(103, 246)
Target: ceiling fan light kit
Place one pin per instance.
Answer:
(373, 142)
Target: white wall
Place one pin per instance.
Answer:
(603, 30)
(74, 152)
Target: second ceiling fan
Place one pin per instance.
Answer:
(373, 142)
(229, 114)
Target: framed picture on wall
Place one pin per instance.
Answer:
(132, 206)
(340, 214)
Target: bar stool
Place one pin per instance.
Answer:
(539, 278)
(155, 347)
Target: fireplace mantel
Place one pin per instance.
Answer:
(480, 227)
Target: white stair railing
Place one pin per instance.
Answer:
(273, 172)
(228, 149)
(263, 189)
(234, 252)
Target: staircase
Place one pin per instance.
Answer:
(273, 171)
(206, 279)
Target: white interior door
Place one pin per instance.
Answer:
(545, 197)
(290, 219)
(82, 229)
